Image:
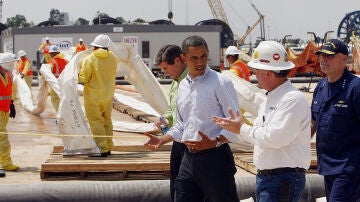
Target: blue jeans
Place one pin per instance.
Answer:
(268, 186)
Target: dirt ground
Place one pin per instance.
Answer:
(32, 140)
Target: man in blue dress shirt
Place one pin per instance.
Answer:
(207, 168)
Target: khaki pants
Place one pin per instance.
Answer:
(5, 149)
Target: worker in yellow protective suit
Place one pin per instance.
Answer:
(24, 67)
(45, 50)
(7, 108)
(57, 65)
(98, 73)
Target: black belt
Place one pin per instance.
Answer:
(194, 151)
(281, 170)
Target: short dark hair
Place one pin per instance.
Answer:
(167, 54)
(193, 41)
(282, 73)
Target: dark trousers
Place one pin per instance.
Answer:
(177, 153)
(207, 175)
(343, 187)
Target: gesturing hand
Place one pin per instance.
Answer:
(154, 141)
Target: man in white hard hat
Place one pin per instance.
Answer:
(7, 108)
(98, 73)
(24, 67)
(57, 65)
(80, 46)
(237, 67)
(281, 132)
(44, 48)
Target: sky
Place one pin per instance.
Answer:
(282, 17)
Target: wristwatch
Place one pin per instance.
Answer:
(218, 142)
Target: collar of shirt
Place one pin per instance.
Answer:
(278, 90)
(198, 78)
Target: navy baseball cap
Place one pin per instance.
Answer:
(332, 47)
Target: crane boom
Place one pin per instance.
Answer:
(217, 10)
(249, 29)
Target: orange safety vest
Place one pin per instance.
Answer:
(80, 48)
(21, 66)
(5, 92)
(57, 65)
(44, 46)
(241, 70)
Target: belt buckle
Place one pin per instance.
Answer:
(266, 172)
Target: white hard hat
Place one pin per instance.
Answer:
(80, 39)
(46, 38)
(232, 50)
(54, 49)
(21, 53)
(8, 61)
(101, 41)
(270, 55)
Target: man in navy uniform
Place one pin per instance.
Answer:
(336, 119)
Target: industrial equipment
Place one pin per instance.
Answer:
(349, 24)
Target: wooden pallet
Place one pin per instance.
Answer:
(124, 163)
(136, 114)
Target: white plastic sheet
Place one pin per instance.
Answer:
(250, 97)
(71, 118)
(24, 94)
(45, 71)
(126, 126)
(138, 74)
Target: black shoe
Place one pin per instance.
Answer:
(2, 172)
(105, 154)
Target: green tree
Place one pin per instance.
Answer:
(98, 13)
(139, 20)
(55, 15)
(81, 21)
(17, 21)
